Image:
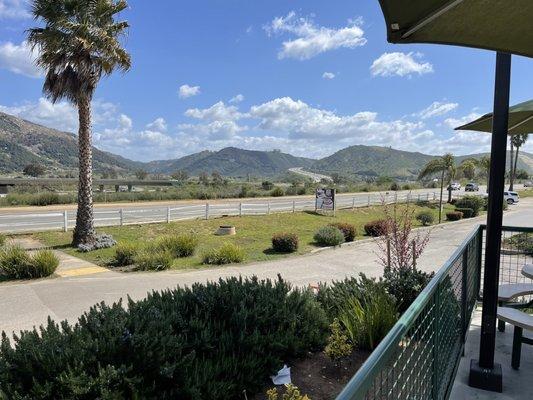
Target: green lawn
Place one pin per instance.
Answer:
(253, 233)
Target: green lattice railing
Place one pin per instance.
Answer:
(418, 359)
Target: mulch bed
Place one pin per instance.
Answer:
(319, 377)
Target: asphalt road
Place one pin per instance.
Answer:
(28, 219)
(25, 304)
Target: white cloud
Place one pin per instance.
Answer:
(437, 109)
(19, 58)
(328, 75)
(400, 64)
(456, 122)
(310, 39)
(159, 125)
(217, 112)
(237, 99)
(14, 9)
(186, 91)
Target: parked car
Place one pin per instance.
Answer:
(454, 186)
(511, 197)
(528, 184)
(471, 187)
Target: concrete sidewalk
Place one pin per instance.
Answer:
(27, 304)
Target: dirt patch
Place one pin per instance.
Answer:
(320, 378)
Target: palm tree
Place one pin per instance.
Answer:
(445, 165)
(517, 141)
(483, 163)
(78, 43)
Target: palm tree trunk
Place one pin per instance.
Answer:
(515, 162)
(441, 193)
(511, 172)
(84, 231)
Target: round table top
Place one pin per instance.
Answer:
(527, 271)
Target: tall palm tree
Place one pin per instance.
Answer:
(445, 166)
(517, 141)
(482, 163)
(78, 43)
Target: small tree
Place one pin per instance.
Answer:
(34, 170)
(338, 346)
(203, 178)
(141, 174)
(180, 175)
(217, 178)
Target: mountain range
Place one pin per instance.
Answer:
(23, 142)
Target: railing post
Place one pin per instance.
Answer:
(65, 221)
(121, 214)
(268, 207)
(168, 215)
(427, 196)
(206, 210)
(293, 206)
(436, 328)
(395, 197)
(464, 296)
(368, 200)
(240, 209)
(353, 203)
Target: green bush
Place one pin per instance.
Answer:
(368, 320)
(277, 192)
(376, 228)
(425, 218)
(178, 245)
(17, 263)
(405, 284)
(153, 259)
(338, 345)
(125, 254)
(348, 230)
(45, 263)
(467, 212)
(520, 241)
(228, 253)
(475, 203)
(394, 186)
(3, 240)
(285, 242)
(329, 236)
(205, 342)
(454, 215)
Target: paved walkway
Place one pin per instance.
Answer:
(27, 304)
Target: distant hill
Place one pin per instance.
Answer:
(525, 160)
(23, 142)
(372, 161)
(232, 161)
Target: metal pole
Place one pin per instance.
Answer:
(121, 212)
(65, 220)
(240, 209)
(168, 215)
(293, 206)
(206, 210)
(479, 377)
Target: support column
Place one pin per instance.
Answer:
(484, 373)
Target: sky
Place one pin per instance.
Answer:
(307, 77)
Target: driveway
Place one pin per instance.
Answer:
(26, 304)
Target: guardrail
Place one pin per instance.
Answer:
(419, 357)
(65, 220)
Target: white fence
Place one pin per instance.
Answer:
(64, 220)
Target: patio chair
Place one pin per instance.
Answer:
(521, 321)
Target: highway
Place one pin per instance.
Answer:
(31, 219)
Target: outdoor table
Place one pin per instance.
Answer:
(527, 271)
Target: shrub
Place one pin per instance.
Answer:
(475, 203)
(103, 241)
(454, 215)
(153, 260)
(368, 320)
(178, 245)
(267, 185)
(348, 230)
(407, 187)
(338, 345)
(125, 254)
(15, 263)
(425, 218)
(394, 186)
(277, 192)
(205, 342)
(467, 212)
(285, 242)
(228, 253)
(3, 240)
(291, 393)
(522, 242)
(376, 228)
(329, 236)
(45, 263)
(405, 284)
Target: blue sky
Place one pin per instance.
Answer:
(305, 76)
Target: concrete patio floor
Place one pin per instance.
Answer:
(516, 384)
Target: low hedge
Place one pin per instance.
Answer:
(228, 253)
(454, 215)
(425, 218)
(210, 341)
(467, 212)
(376, 228)
(285, 242)
(348, 230)
(178, 245)
(17, 263)
(329, 236)
(475, 203)
(150, 259)
(125, 254)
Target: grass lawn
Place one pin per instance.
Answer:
(254, 233)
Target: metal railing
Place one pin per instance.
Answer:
(16, 222)
(419, 357)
